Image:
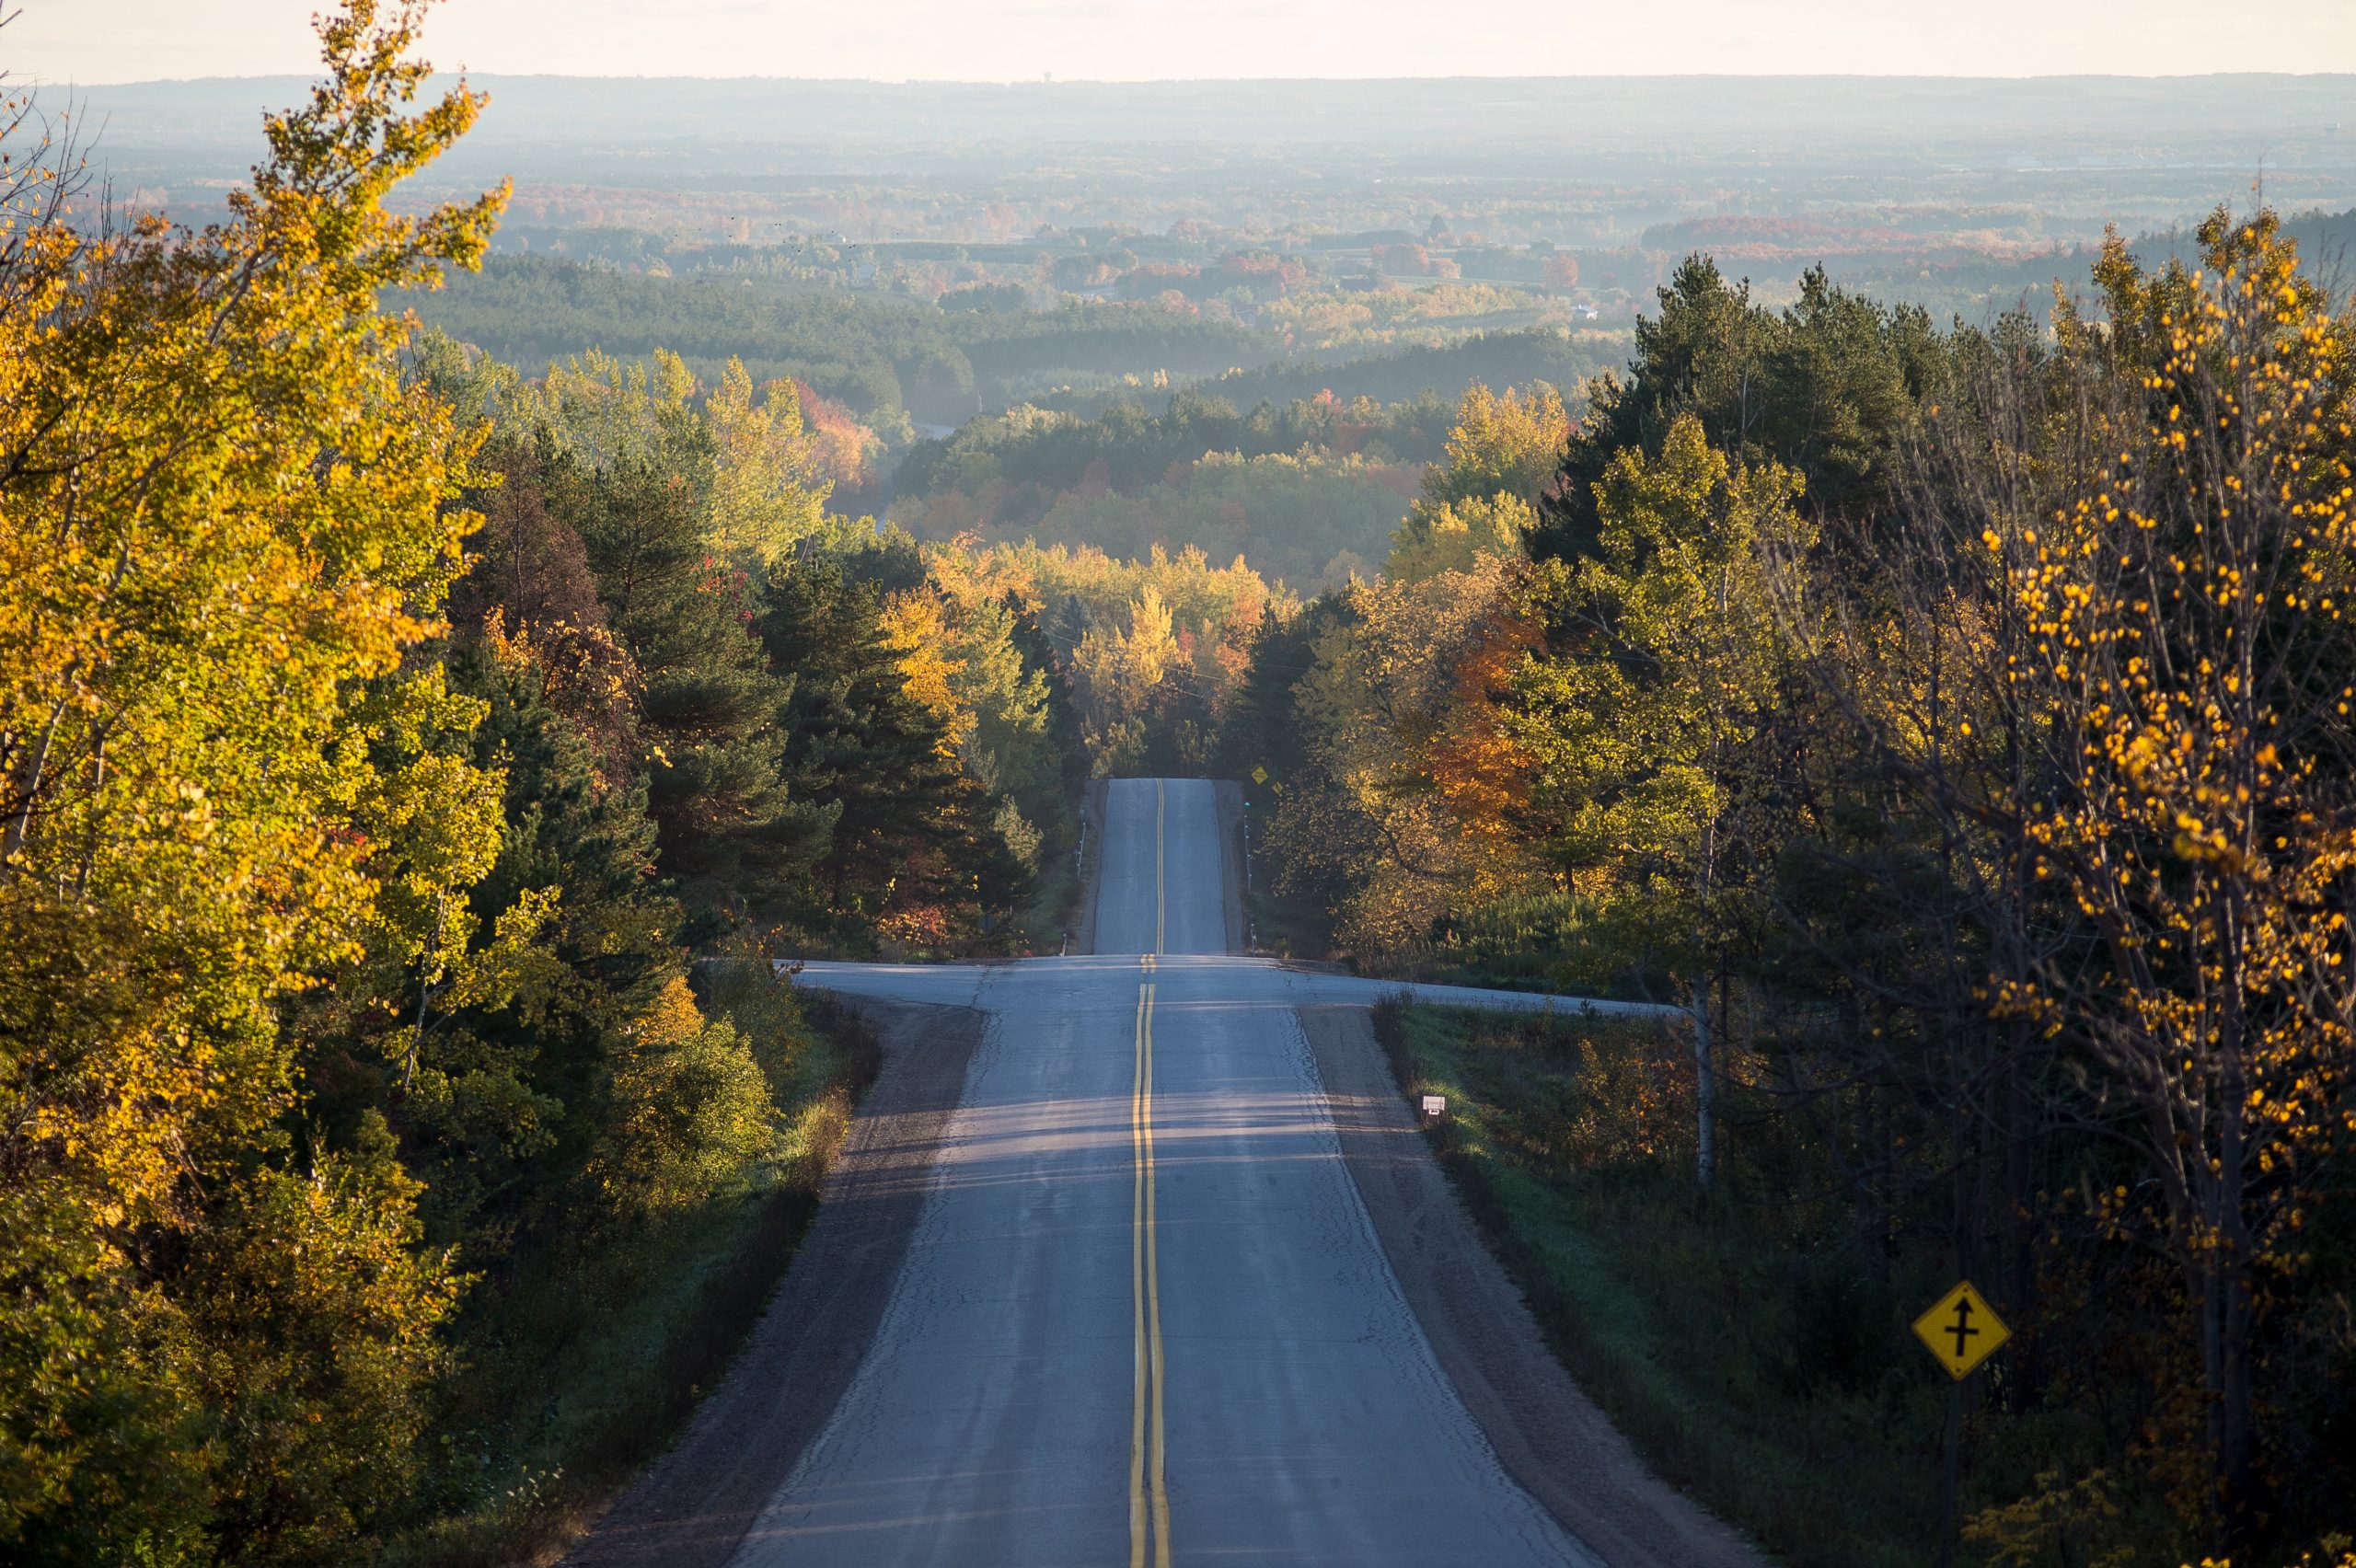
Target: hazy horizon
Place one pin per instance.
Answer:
(1960, 77)
(113, 42)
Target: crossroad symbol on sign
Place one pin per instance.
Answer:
(1962, 1330)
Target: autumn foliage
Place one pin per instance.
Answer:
(381, 731)
(1955, 728)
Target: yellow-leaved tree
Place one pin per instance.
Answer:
(2159, 516)
(751, 457)
(222, 519)
(2188, 584)
(1481, 501)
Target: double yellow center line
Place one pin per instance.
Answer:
(1149, 1498)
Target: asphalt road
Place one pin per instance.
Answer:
(1144, 1315)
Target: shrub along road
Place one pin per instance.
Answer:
(1144, 1309)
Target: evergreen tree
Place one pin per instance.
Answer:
(911, 831)
(709, 707)
(502, 1108)
(1825, 388)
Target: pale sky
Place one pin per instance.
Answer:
(96, 42)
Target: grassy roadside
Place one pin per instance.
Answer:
(1294, 928)
(583, 1364)
(1044, 924)
(1051, 916)
(1288, 928)
(1750, 1345)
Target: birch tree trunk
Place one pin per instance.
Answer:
(1705, 1090)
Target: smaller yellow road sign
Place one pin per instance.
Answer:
(1962, 1330)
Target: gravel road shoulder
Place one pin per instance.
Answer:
(693, 1506)
(1091, 862)
(1550, 1439)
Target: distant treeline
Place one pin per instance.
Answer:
(882, 357)
(1489, 358)
(1308, 491)
(1136, 448)
(1979, 288)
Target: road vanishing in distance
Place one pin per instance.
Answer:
(1144, 1316)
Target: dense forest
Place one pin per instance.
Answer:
(402, 1115)
(416, 743)
(1405, 373)
(1954, 725)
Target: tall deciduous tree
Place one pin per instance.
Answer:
(1482, 500)
(221, 511)
(2166, 510)
(1663, 656)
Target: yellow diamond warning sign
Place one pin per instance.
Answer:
(1962, 1330)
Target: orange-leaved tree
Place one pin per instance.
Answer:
(1381, 807)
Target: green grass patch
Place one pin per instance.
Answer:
(1290, 928)
(1052, 914)
(1751, 1344)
